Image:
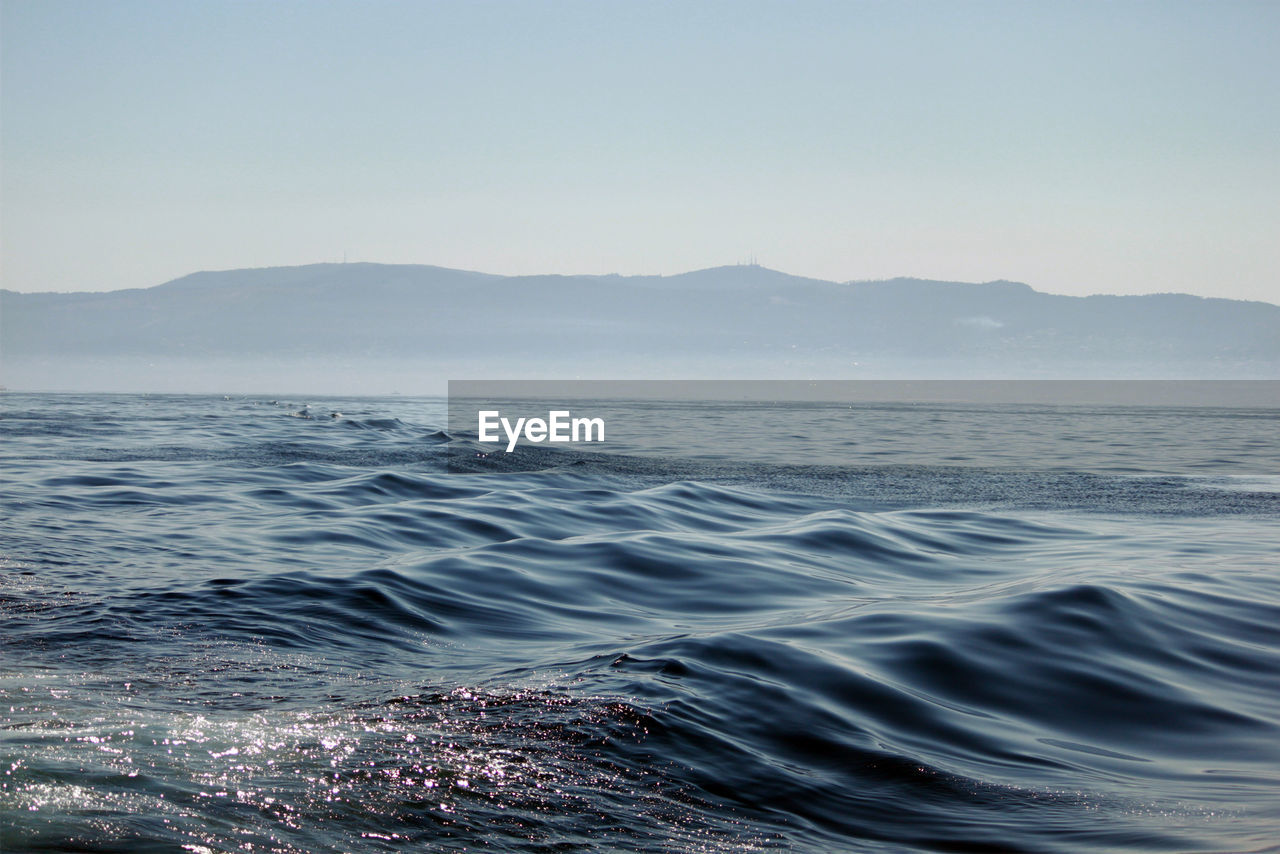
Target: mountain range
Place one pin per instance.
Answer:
(738, 321)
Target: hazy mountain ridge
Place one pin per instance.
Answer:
(729, 315)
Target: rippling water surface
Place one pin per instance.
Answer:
(244, 625)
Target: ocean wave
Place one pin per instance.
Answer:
(287, 640)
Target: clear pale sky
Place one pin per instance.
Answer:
(1080, 147)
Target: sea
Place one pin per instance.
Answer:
(238, 623)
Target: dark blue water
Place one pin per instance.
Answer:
(238, 625)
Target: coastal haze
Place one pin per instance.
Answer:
(375, 328)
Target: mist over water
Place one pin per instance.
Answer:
(252, 623)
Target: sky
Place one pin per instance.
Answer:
(1080, 147)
